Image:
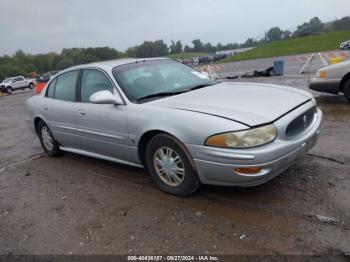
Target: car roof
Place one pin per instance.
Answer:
(110, 64)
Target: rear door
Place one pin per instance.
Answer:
(102, 128)
(60, 106)
(22, 82)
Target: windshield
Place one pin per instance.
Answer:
(147, 78)
(7, 80)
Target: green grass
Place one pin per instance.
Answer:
(185, 55)
(301, 45)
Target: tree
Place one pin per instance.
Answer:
(175, 48)
(219, 47)
(314, 26)
(250, 43)
(274, 34)
(197, 45)
(187, 49)
(160, 48)
(131, 51)
(23, 64)
(152, 49)
(286, 34)
(208, 48)
(145, 49)
(342, 24)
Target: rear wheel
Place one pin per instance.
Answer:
(170, 166)
(9, 90)
(47, 141)
(347, 90)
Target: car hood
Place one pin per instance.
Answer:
(341, 65)
(249, 103)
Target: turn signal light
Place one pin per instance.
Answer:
(248, 170)
(321, 74)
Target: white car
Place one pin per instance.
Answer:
(333, 79)
(345, 45)
(17, 82)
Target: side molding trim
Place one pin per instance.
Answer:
(86, 153)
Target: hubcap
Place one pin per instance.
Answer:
(47, 138)
(169, 166)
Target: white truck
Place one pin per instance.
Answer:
(17, 82)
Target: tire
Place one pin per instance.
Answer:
(9, 90)
(182, 183)
(347, 90)
(52, 150)
(31, 86)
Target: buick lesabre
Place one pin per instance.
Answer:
(184, 128)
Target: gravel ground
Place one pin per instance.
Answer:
(79, 205)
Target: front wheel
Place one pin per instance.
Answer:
(47, 141)
(9, 90)
(31, 86)
(347, 90)
(171, 166)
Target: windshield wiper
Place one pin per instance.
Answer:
(161, 94)
(165, 94)
(201, 86)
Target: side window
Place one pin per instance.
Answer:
(94, 81)
(51, 89)
(65, 86)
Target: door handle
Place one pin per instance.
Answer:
(81, 112)
(44, 107)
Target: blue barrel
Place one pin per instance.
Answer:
(278, 67)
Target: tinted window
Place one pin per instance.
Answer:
(94, 81)
(51, 89)
(65, 86)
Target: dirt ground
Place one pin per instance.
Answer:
(79, 205)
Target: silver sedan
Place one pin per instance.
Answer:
(184, 128)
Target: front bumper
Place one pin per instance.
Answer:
(216, 166)
(325, 85)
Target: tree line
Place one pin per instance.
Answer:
(23, 64)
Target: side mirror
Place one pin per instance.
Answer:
(105, 97)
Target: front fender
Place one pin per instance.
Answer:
(187, 126)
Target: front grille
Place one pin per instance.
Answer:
(301, 123)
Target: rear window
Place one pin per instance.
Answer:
(65, 86)
(51, 89)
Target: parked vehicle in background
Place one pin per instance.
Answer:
(15, 83)
(43, 79)
(205, 59)
(333, 79)
(183, 127)
(345, 45)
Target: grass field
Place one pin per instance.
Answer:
(314, 43)
(186, 55)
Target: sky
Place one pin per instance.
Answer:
(41, 26)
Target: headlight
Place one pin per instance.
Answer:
(321, 74)
(244, 139)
